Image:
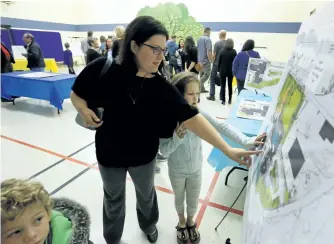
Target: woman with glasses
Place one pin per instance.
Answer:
(142, 108)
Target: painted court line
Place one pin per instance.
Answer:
(60, 161)
(48, 151)
(207, 200)
(70, 180)
(205, 203)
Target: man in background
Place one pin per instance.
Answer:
(85, 45)
(219, 46)
(204, 45)
(172, 48)
(34, 53)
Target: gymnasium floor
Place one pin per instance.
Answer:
(39, 144)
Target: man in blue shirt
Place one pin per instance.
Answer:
(172, 47)
(204, 45)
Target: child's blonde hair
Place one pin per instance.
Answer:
(181, 80)
(17, 195)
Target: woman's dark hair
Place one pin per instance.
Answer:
(107, 48)
(139, 30)
(181, 80)
(188, 44)
(180, 43)
(67, 45)
(249, 45)
(229, 45)
(102, 39)
(91, 41)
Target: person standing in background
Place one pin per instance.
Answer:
(84, 44)
(172, 48)
(34, 53)
(219, 46)
(108, 49)
(93, 50)
(191, 54)
(68, 59)
(7, 60)
(240, 63)
(204, 45)
(118, 43)
(225, 61)
(103, 44)
(179, 54)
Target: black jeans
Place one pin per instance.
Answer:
(71, 70)
(223, 86)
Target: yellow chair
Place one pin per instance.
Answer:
(50, 65)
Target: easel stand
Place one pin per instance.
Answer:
(246, 180)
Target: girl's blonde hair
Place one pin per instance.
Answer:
(181, 80)
(17, 195)
(119, 32)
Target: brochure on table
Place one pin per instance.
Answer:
(291, 185)
(263, 75)
(253, 109)
(38, 75)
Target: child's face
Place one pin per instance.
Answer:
(192, 93)
(32, 227)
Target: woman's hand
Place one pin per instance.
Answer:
(242, 156)
(180, 130)
(260, 139)
(90, 118)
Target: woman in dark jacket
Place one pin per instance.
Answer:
(157, 106)
(240, 63)
(225, 62)
(190, 51)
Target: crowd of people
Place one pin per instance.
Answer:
(219, 62)
(167, 119)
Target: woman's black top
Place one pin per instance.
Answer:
(129, 135)
(192, 57)
(92, 54)
(225, 61)
(116, 47)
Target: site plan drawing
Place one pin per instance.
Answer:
(253, 109)
(290, 195)
(263, 75)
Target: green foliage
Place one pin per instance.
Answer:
(176, 19)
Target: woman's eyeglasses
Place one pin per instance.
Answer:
(156, 50)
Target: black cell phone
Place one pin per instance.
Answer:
(79, 120)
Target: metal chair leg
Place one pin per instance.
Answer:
(232, 205)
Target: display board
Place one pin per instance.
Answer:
(290, 193)
(263, 75)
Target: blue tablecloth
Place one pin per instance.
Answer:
(54, 89)
(249, 127)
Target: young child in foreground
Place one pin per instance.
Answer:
(30, 216)
(184, 152)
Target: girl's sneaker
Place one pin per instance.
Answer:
(182, 235)
(194, 235)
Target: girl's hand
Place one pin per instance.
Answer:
(242, 156)
(180, 130)
(260, 139)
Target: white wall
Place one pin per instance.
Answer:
(114, 12)
(57, 11)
